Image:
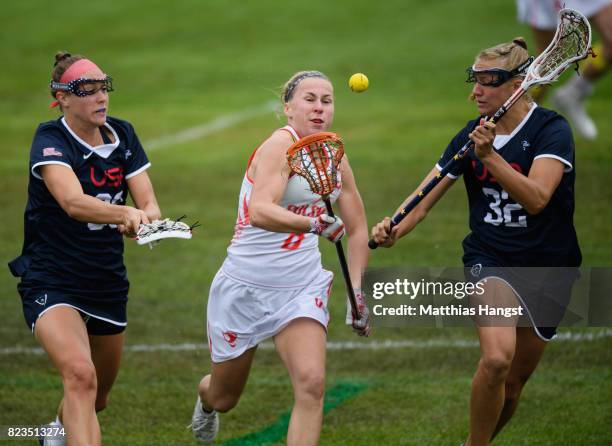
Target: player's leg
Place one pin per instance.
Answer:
(570, 98)
(529, 350)
(233, 309)
(106, 355)
(599, 66)
(62, 333)
(301, 346)
(497, 345)
(219, 392)
(221, 389)
(488, 386)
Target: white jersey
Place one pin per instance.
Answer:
(276, 259)
(542, 14)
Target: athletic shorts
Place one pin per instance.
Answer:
(543, 291)
(241, 315)
(543, 14)
(101, 318)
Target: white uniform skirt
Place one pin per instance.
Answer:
(241, 315)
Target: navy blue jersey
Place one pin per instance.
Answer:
(499, 222)
(59, 252)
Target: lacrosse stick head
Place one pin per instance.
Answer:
(316, 158)
(572, 42)
(161, 229)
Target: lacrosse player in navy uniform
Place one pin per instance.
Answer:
(272, 283)
(520, 186)
(73, 280)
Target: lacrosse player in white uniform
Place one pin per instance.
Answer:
(272, 284)
(541, 16)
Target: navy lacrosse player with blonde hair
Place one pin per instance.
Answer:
(74, 285)
(520, 185)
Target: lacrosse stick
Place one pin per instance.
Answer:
(316, 158)
(572, 42)
(161, 229)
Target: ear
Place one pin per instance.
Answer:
(286, 109)
(62, 98)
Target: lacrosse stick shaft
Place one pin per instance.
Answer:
(449, 165)
(344, 266)
(571, 43)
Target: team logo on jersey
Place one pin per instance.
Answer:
(42, 301)
(525, 144)
(111, 177)
(51, 151)
(318, 302)
(230, 338)
(128, 153)
(307, 210)
(476, 270)
(482, 174)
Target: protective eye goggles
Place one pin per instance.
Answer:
(85, 87)
(495, 77)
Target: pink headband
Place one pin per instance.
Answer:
(75, 71)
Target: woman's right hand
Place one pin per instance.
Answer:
(383, 234)
(132, 220)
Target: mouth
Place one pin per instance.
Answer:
(101, 110)
(317, 121)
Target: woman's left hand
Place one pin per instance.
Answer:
(483, 137)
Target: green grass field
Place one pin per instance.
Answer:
(181, 64)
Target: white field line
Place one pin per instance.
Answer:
(208, 128)
(387, 344)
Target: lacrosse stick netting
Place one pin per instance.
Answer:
(161, 229)
(316, 159)
(572, 42)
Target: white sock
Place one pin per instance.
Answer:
(581, 86)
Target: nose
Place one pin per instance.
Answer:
(477, 90)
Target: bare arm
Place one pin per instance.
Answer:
(386, 237)
(352, 211)
(63, 184)
(534, 191)
(270, 173)
(141, 190)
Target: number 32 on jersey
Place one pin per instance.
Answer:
(505, 214)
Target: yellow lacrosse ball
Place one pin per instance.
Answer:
(358, 82)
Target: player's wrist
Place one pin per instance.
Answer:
(315, 226)
(486, 154)
(125, 214)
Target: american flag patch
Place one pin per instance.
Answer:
(51, 151)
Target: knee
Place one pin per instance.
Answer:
(80, 376)
(496, 366)
(310, 386)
